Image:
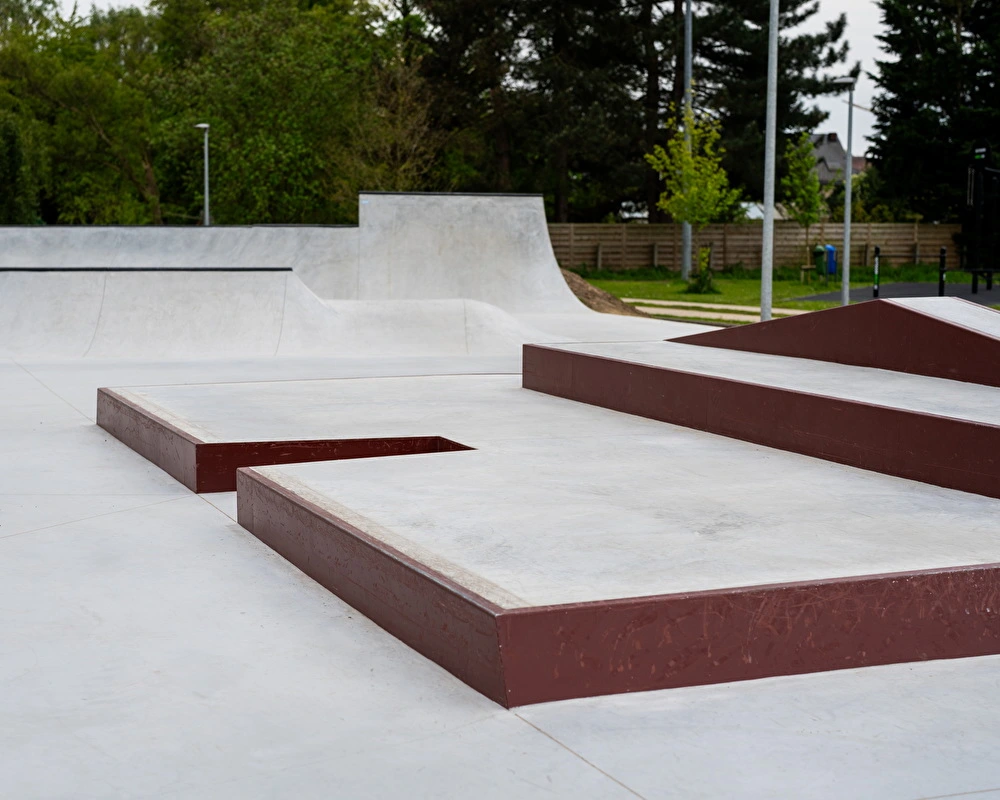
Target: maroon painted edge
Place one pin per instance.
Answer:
(876, 333)
(437, 617)
(151, 436)
(217, 462)
(540, 654)
(953, 453)
(211, 466)
(719, 636)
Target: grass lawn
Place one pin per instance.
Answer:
(736, 291)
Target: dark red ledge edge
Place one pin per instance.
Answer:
(211, 466)
(534, 655)
(948, 452)
(877, 333)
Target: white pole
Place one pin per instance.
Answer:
(688, 46)
(767, 249)
(845, 289)
(207, 218)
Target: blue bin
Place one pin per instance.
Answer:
(831, 259)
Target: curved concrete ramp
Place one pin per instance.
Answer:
(493, 248)
(210, 314)
(490, 248)
(941, 337)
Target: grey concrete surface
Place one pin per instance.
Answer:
(423, 275)
(152, 648)
(968, 315)
(880, 387)
(493, 248)
(144, 247)
(539, 514)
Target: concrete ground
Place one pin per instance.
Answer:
(150, 647)
(153, 648)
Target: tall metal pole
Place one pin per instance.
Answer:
(767, 250)
(207, 216)
(688, 46)
(845, 289)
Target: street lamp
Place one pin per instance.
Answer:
(847, 82)
(688, 57)
(204, 127)
(767, 246)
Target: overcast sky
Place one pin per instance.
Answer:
(863, 25)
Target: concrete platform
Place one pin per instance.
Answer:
(941, 337)
(541, 564)
(151, 647)
(929, 429)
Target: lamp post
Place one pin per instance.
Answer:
(688, 46)
(204, 127)
(845, 289)
(767, 248)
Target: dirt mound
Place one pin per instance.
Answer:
(598, 299)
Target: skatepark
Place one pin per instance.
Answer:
(384, 511)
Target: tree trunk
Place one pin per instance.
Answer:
(151, 190)
(651, 107)
(562, 182)
(501, 140)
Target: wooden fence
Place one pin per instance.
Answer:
(635, 246)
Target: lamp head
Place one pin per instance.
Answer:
(847, 82)
(202, 125)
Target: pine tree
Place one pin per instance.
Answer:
(734, 76)
(939, 97)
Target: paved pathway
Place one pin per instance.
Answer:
(723, 312)
(889, 290)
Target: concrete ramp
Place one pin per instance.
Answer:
(941, 337)
(493, 248)
(422, 274)
(161, 314)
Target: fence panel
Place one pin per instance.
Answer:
(635, 246)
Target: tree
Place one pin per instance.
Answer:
(939, 97)
(696, 187)
(86, 82)
(803, 199)
(19, 174)
(733, 77)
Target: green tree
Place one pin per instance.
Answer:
(802, 196)
(696, 187)
(19, 176)
(86, 82)
(939, 96)
(733, 45)
(306, 108)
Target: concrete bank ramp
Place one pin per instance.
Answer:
(160, 314)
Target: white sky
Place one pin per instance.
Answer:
(863, 25)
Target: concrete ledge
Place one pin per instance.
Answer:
(205, 466)
(519, 656)
(949, 452)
